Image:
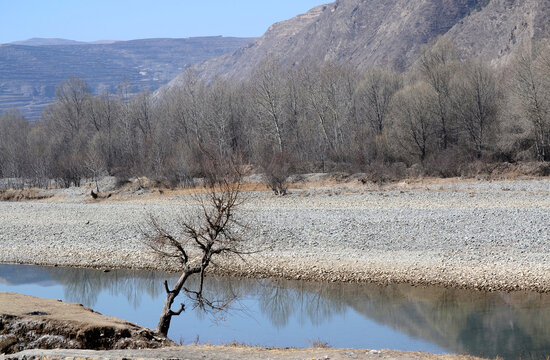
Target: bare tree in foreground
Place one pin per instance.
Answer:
(213, 233)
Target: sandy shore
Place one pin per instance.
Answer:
(471, 234)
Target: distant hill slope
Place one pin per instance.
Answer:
(29, 74)
(46, 41)
(57, 41)
(390, 33)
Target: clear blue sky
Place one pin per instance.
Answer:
(88, 20)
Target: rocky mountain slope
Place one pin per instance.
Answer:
(390, 33)
(30, 72)
(496, 32)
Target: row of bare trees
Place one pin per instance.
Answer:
(443, 113)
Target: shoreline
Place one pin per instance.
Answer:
(487, 236)
(483, 277)
(487, 277)
(208, 352)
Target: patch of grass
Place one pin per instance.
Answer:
(237, 344)
(22, 195)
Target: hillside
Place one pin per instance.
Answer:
(497, 31)
(46, 41)
(29, 73)
(390, 33)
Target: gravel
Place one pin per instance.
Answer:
(484, 235)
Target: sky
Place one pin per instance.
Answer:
(90, 20)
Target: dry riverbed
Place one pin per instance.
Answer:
(474, 234)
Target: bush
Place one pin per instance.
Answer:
(277, 169)
(380, 173)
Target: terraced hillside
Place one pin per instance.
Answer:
(29, 74)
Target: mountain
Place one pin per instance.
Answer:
(496, 32)
(46, 41)
(56, 41)
(30, 73)
(389, 33)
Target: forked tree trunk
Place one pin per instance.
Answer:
(167, 313)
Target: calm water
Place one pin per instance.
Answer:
(283, 313)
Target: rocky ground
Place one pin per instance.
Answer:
(229, 353)
(475, 234)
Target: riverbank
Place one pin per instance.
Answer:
(232, 352)
(27, 322)
(467, 234)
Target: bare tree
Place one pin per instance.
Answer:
(214, 232)
(414, 124)
(218, 117)
(437, 66)
(475, 102)
(329, 101)
(269, 99)
(532, 76)
(93, 160)
(14, 152)
(373, 97)
(276, 169)
(72, 97)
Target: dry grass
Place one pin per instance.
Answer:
(23, 195)
(319, 344)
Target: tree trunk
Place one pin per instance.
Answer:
(167, 313)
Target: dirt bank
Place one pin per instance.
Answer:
(27, 322)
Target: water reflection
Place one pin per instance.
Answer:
(280, 300)
(464, 321)
(85, 286)
(481, 324)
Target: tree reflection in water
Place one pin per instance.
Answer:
(509, 325)
(85, 285)
(278, 300)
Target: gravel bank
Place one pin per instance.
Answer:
(484, 235)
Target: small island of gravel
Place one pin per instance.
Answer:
(487, 235)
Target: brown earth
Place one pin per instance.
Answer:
(27, 322)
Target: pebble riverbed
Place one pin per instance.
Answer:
(473, 234)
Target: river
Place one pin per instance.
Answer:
(277, 313)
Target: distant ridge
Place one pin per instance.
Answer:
(46, 42)
(30, 70)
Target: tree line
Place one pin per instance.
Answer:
(438, 117)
